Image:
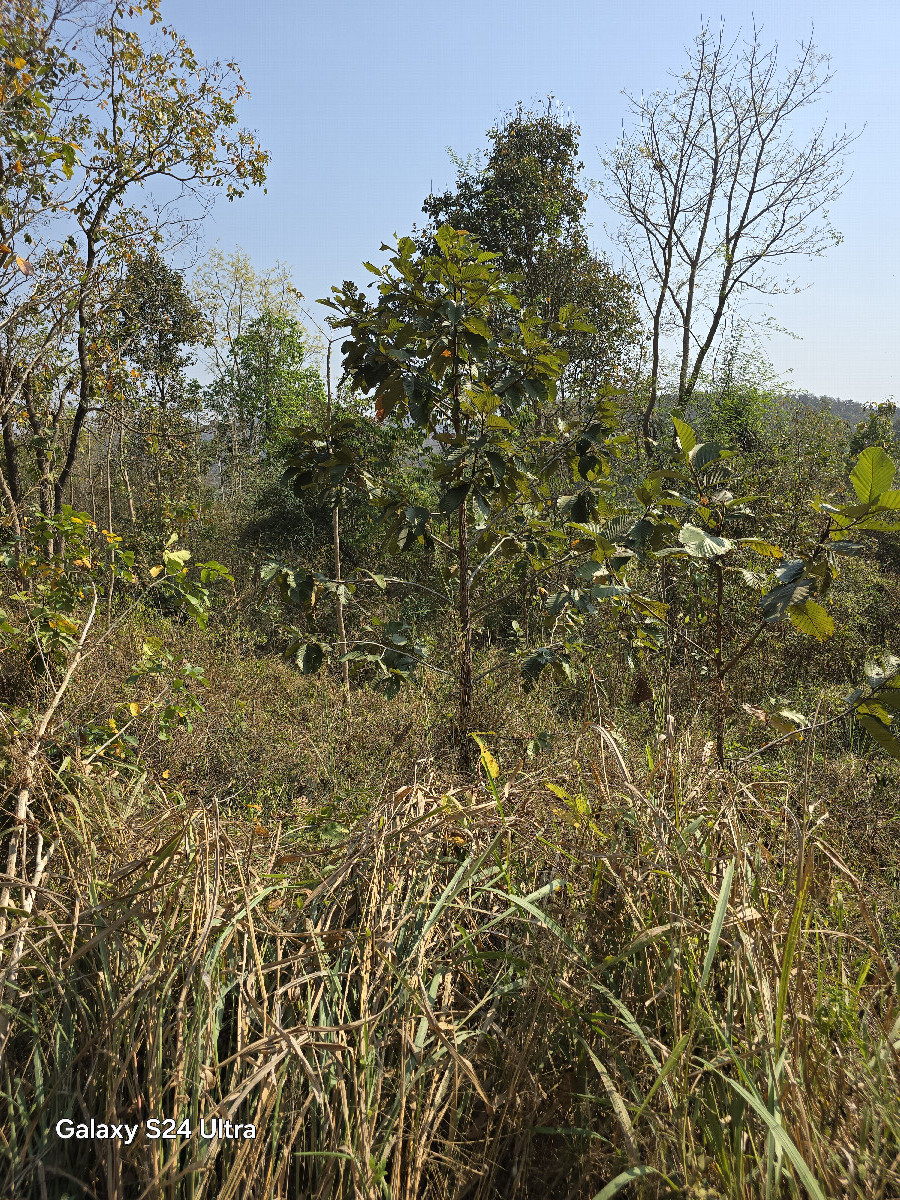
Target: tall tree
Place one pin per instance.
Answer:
(134, 112)
(526, 203)
(267, 385)
(716, 193)
(157, 321)
(448, 349)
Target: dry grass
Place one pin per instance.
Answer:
(478, 992)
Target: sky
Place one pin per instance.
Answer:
(358, 102)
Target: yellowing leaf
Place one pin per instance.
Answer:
(18, 62)
(6, 249)
(154, 571)
(165, 774)
(812, 619)
(557, 791)
(135, 710)
(24, 266)
(761, 547)
(490, 763)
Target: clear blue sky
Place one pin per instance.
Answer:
(357, 102)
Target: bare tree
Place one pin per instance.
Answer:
(715, 192)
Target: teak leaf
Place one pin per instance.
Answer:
(872, 475)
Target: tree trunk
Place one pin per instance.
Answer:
(342, 633)
(124, 470)
(336, 538)
(464, 670)
(465, 629)
(720, 700)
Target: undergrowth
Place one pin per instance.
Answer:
(471, 988)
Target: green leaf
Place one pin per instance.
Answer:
(477, 325)
(718, 922)
(452, 499)
(700, 544)
(778, 1132)
(887, 697)
(812, 619)
(881, 733)
(309, 658)
(686, 436)
(872, 475)
(889, 499)
(702, 456)
(794, 590)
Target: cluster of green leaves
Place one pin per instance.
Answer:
(525, 492)
(267, 386)
(194, 593)
(876, 704)
(880, 428)
(326, 462)
(55, 584)
(51, 588)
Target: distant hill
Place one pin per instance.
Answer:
(848, 410)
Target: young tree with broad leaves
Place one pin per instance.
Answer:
(448, 349)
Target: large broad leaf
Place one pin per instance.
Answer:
(776, 603)
(700, 544)
(761, 547)
(702, 456)
(872, 475)
(686, 436)
(812, 619)
(452, 499)
(888, 697)
(881, 733)
(309, 658)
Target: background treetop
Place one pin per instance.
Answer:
(527, 203)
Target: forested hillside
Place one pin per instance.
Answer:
(449, 730)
